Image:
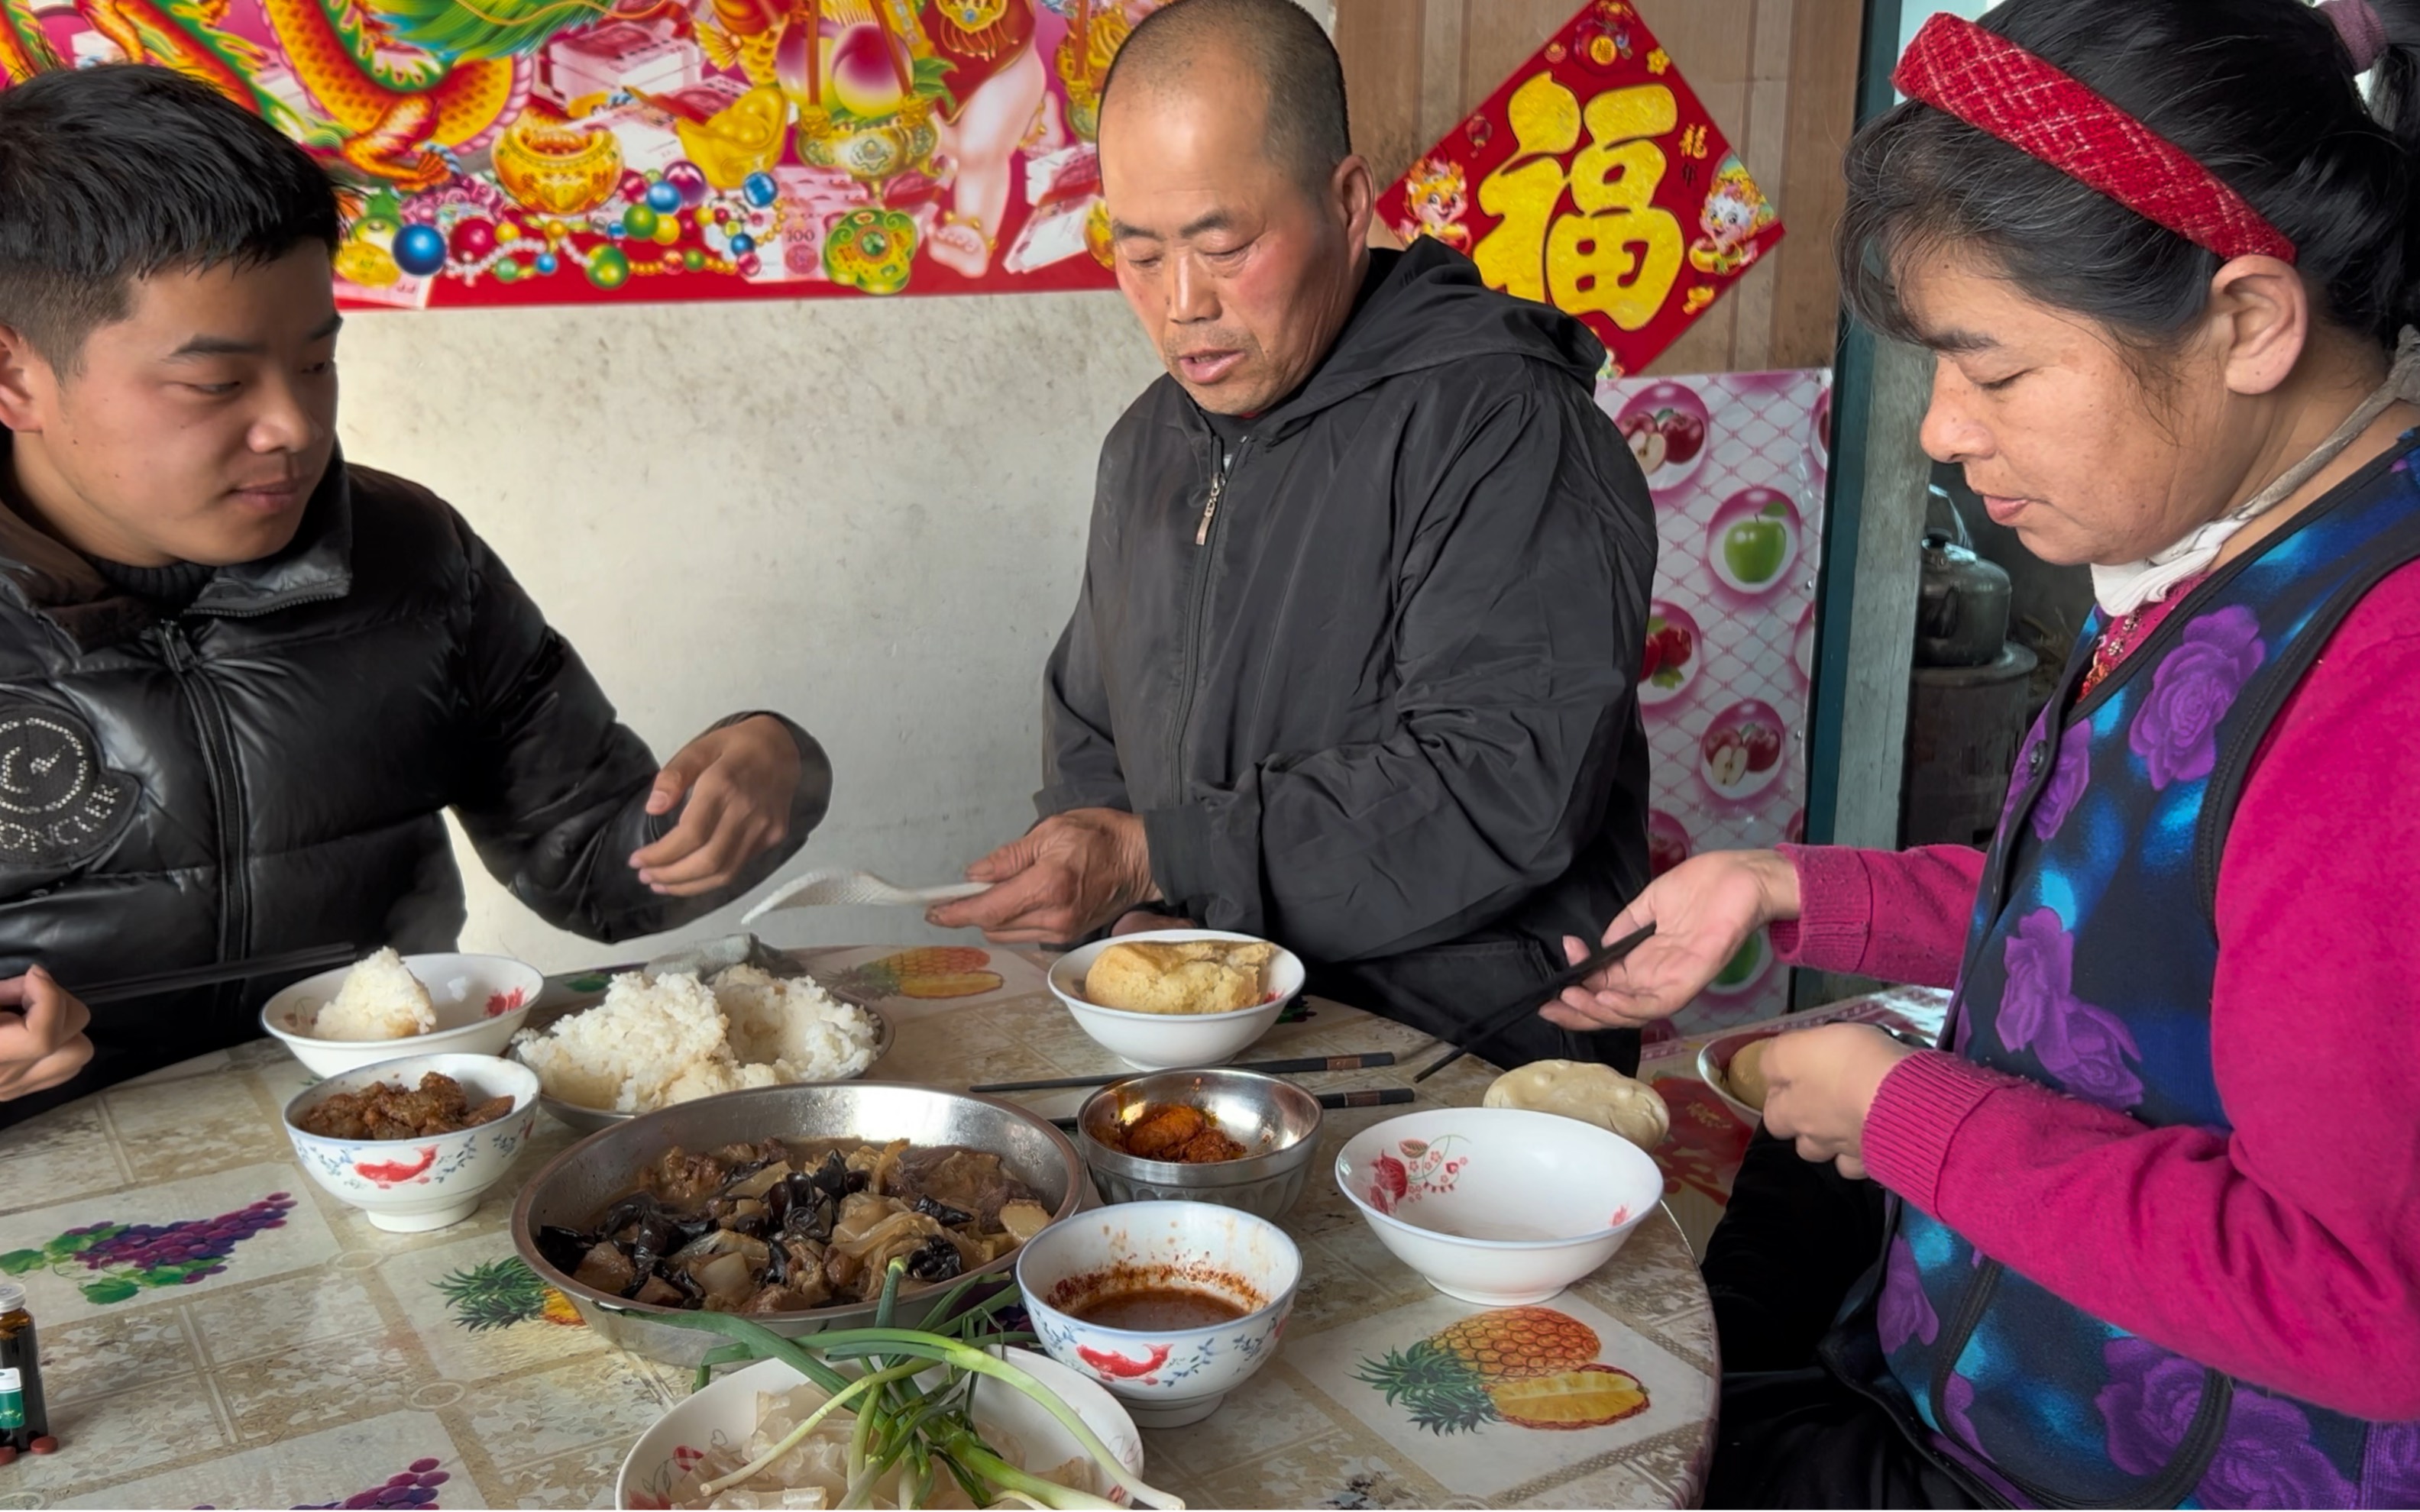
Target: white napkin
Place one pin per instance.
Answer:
(822, 890)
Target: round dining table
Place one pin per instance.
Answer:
(330, 1364)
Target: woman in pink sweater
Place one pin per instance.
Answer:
(2146, 1230)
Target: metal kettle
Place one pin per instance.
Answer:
(1963, 602)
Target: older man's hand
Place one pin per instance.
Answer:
(1068, 876)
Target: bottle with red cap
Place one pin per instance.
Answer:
(25, 1425)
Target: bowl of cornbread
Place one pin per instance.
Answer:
(1177, 997)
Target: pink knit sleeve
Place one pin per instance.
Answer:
(1898, 916)
(2287, 1250)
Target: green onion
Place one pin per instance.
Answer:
(924, 1432)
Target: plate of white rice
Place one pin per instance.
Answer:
(654, 1041)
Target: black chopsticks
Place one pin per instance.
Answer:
(302, 963)
(1368, 1097)
(1536, 997)
(1273, 1068)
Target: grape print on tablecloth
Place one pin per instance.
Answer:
(116, 1262)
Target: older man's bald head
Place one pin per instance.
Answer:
(1193, 45)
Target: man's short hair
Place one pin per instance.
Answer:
(1309, 132)
(123, 171)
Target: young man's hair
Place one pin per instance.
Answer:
(116, 172)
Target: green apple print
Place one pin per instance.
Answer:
(1742, 965)
(1754, 548)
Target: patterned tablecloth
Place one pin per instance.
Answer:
(333, 1364)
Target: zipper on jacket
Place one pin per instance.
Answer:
(218, 767)
(1204, 538)
(1210, 506)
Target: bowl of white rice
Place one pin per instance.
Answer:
(354, 1016)
(657, 1041)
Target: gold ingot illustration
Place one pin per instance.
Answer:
(560, 169)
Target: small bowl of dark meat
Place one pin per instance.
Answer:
(1236, 1138)
(745, 1204)
(414, 1142)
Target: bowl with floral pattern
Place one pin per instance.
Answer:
(1502, 1207)
(409, 1186)
(1169, 1305)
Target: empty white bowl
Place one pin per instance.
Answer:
(1166, 1378)
(1164, 1042)
(409, 1186)
(480, 1001)
(1502, 1207)
(724, 1413)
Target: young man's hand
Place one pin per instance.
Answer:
(739, 780)
(42, 1041)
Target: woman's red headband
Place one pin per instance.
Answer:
(1998, 87)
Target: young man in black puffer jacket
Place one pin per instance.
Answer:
(241, 679)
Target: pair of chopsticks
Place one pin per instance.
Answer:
(1273, 1068)
(301, 962)
(1375, 1096)
(1533, 998)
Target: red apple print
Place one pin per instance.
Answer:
(1647, 442)
(1666, 847)
(1764, 746)
(1726, 752)
(1684, 435)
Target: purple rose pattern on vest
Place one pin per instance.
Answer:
(2086, 1048)
(2175, 731)
(2065, 788)
(1906, 1312)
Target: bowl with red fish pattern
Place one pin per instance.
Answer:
(1169, 1305)
(414, 1142)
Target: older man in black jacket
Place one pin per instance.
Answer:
(1356, 661)
(239, 679)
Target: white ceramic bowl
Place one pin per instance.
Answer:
(1501, 1207)
(1179, 1375)
(409, 1186)
(480, 1001)
(1164, 1042)
(1714, 1070)
(725, 1413)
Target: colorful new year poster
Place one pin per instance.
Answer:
(1737, 463)
(1593, 180)
(560, 151)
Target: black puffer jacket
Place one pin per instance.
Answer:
(266, 771)
(1380, 704)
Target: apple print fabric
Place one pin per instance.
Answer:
(1737, 463)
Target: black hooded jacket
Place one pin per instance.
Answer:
(267, 770)
(1380, 703)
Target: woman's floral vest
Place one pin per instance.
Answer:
(2089, 969)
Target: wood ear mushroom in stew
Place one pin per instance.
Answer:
(791, 1224)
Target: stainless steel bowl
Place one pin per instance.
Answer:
(578, 1185)
(589, 1121)
(1275, 1120)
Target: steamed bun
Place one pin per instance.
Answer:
(1179, 976)
(1587, 1092)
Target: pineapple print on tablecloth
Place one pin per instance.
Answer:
(499, 1294)
(1530, 1367)
(926, 973)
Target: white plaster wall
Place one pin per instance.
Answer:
(868, 514)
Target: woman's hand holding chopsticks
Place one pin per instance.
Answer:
(1703, 910)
